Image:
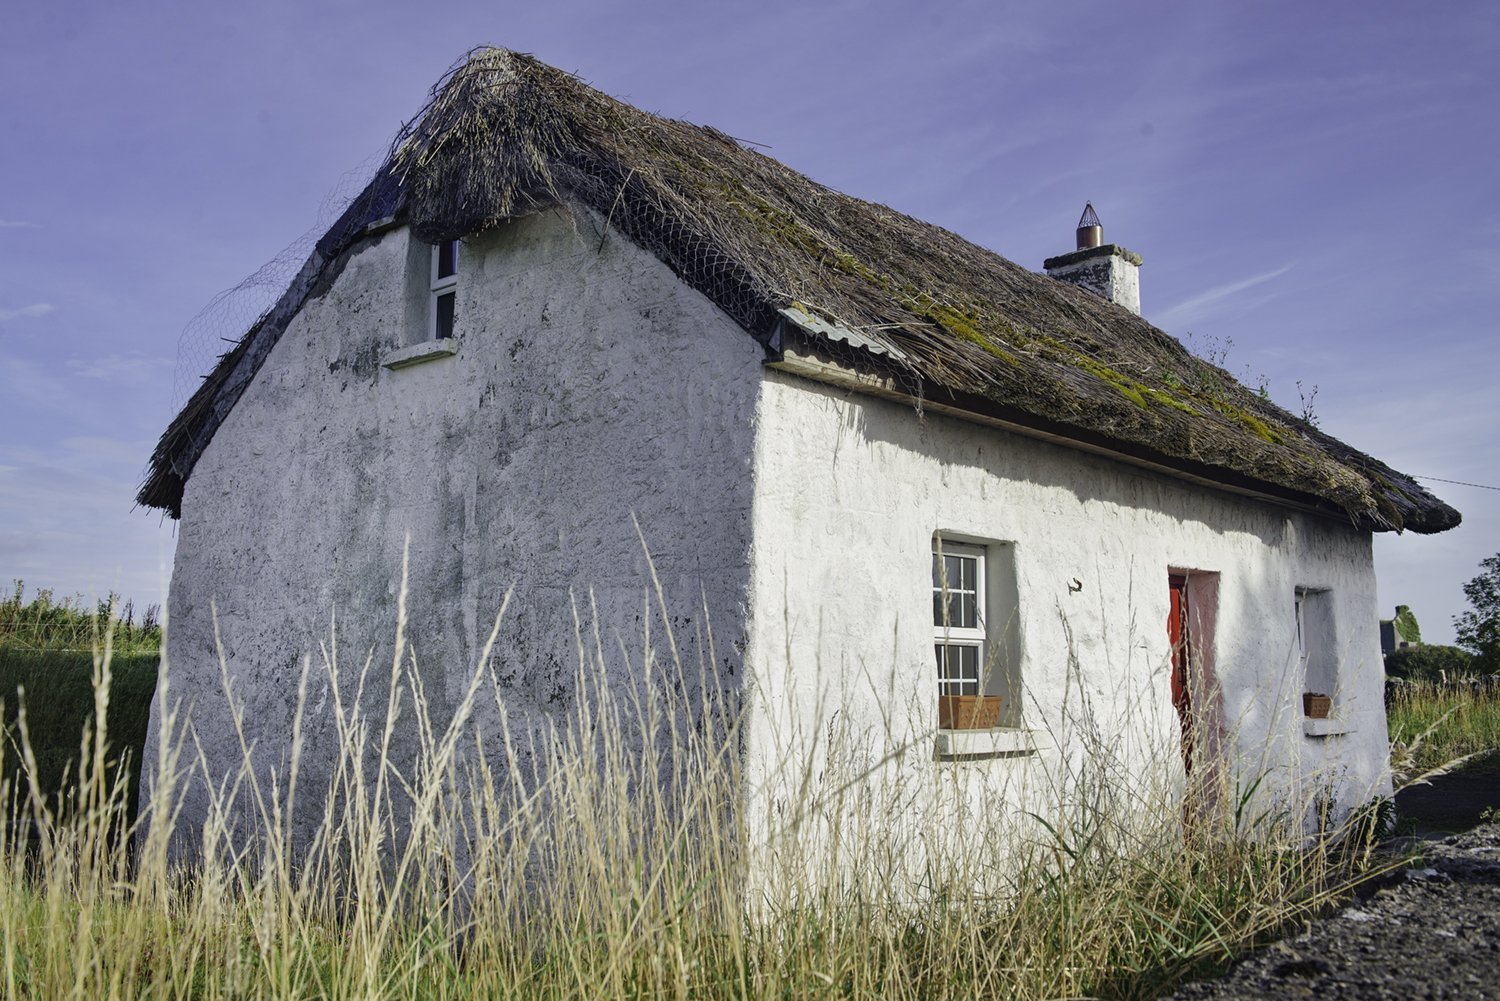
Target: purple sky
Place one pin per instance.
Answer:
(1313, 184)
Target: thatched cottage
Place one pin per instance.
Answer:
(906, 483)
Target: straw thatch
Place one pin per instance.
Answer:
(504, 135)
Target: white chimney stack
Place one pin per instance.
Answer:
(1105, 269)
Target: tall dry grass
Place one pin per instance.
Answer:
(609, 856)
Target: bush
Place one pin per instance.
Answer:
(1428, 663)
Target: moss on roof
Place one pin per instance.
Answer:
(503, 135)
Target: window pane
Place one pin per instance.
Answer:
(937, 571)
(947, 664)
(949, 682)
(954, 613)
(443, 315)
(959, 611)
(965, 614)
(958, 668)
(953, 572)
(968, 669)
(447, 259)
(968, 566)
(968, 661)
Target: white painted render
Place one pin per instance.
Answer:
(850, 490)
(588, 385)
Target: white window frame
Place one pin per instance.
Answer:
(946, 635)
(446, 285)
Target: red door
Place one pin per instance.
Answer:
(1177, 632)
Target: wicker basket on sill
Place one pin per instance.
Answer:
(1315, 705)
(968, 712)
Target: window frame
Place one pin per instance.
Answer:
(947, 636)
(440, 286)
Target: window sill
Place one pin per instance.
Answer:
(1327, 727)
(415, 354)
(1001, 742)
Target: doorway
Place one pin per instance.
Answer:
(1182, 653)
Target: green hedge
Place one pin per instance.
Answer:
(59, 699)
(1429, 662)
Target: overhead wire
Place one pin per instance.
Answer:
(1461, 483)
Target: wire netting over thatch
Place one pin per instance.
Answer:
(504, 135)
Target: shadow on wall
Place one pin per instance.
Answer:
(1019, 457)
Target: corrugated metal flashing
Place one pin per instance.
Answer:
(820, 327)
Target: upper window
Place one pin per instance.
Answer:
(975, 634)
(444, 288)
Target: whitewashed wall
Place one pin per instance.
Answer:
(588, 385)
(849, 491)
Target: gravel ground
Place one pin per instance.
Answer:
(1429, 931)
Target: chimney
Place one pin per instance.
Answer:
(1105, 269)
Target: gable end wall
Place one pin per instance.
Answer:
(589, 385)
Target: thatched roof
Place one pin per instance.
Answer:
(504, 135)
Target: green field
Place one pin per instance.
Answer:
(50, 672)
(56, 689)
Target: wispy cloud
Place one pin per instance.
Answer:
(36, 385)
(17, 224)
(133, 368)
(1203, 304)
(35, 309)
(93, 448)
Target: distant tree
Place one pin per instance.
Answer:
(1429, 663)
(1479, 628)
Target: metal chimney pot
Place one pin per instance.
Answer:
(1090, 231)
